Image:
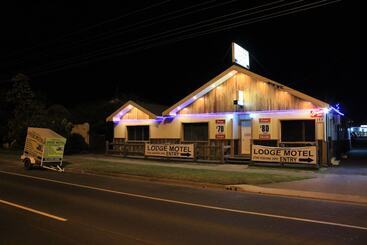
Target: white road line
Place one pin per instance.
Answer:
(194, 204)
(32, 210)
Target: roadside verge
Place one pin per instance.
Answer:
(180, 173)
(298, 193)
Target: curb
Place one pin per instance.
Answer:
(301, 194)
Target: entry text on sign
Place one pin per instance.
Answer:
(284, 154)
(170, 150)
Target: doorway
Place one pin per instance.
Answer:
(246, 136)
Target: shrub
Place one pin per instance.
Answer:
(75, 144)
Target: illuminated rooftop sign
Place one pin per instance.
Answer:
(240, 56)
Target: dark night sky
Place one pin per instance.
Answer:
(320, 51)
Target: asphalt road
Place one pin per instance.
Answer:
(44, 207)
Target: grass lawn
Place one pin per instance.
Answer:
(186, 174)
(10, 154)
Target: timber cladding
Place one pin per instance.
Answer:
(135, 113)
(258, 96)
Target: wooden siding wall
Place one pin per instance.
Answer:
(258, 96)
(135, 113)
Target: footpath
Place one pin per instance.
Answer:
(346, 182)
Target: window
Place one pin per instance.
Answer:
(273, 143)
(195, 131)
(138, 133)
(298, 130)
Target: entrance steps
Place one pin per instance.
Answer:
(239, 159)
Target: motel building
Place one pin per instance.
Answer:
(358, 135)
(236, 116)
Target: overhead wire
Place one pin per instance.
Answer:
(201, 33)
(173, 32)
(155, 20)
(253, 20)
(134, 27)
(63, 37)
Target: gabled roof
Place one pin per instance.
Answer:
(294, 92)
(224, 76)
(126, 108)
(156, 109)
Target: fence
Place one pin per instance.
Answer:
(213, 150)
(208, 151)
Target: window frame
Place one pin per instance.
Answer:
(198, 141)
(127, 133)
(296, 119)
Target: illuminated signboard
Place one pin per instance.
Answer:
(240, 56)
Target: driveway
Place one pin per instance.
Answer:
(356, 164)
(348, 178)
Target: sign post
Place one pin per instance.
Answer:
(265, 128)
(170, 150)
(220, 129)
(306, 155)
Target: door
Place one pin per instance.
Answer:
(246, 136)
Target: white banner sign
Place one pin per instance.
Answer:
(170, 150)
(220, 129)
(307, 154)
(264, 128)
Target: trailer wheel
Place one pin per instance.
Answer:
(27, 164)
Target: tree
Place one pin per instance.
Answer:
(26, 110)
(58, 119)
(4, 115)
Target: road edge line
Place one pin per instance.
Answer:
(32, 210)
